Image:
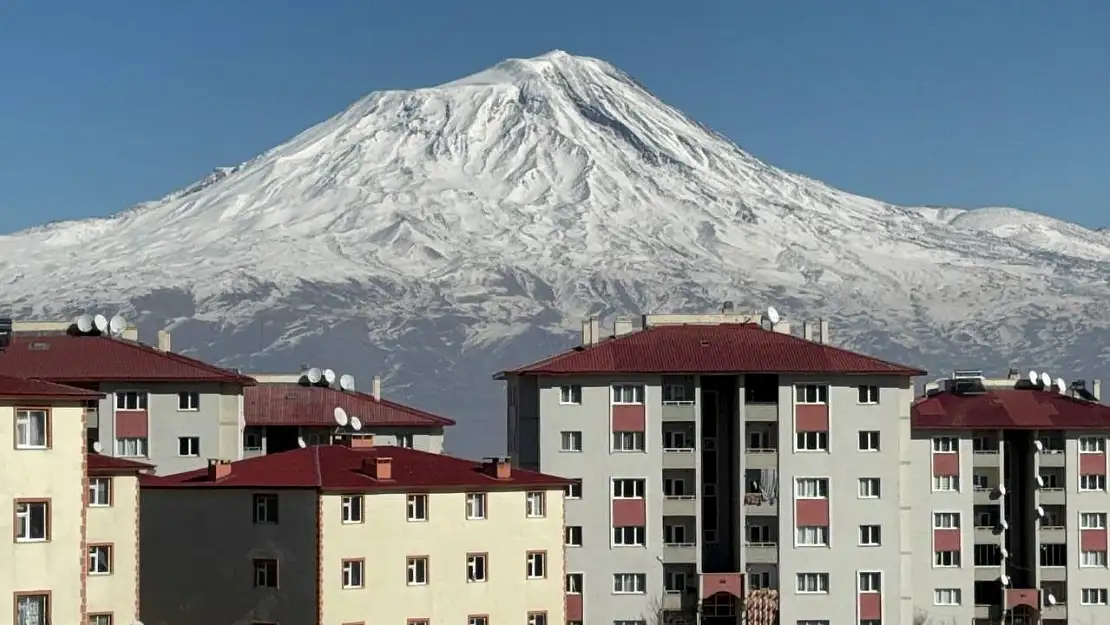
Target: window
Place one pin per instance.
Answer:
(1092, 520)
(535, 505)
(1092, 445)
(574, 490)
(353, 571)
(946, 445)
(811, 394)
(130, 400)
(1092, 559)
(870, 581)
(405, 440)
(476, 567)
(188, 446)
(988, 554)
(811, 488)
(760, 533)
(573, 584)
(808, 583)
(816, 536)
(812, 441)
(1093, 596)
(1090, 483)
(946, 483)
(32, 520)
(624, 488)
(418, 508)
(946, 520)
(188, 401)
(252, 439)
(869, 488)
(980, 481)
(265, 573)
(32, 429)
(131, 447)
(674, 581)
(629, 536)
(759, 580)
(417, 571)
(674, 487)
(868, 394)
(571, 394)
(676, 439)
(1054, 554)
(475, 506)
(628, 441)
(100, 492)
(629, 584)
(868, 440)
(946, 559)
(570, 441)
(537, 618)
(265, 508)
(470, 620)
(628, 394)
(352, 508)
(572, 536)
(100, 559)
(100, 619)
(32, 609)
(536, 564)
(674, 535)
(947, 596)
(676, 394)
(870, 535)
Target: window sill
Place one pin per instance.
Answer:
(96, 574)
(32, 448)
(25, 541)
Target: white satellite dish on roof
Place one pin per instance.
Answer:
(1046, 379)
(772, 315)
(97, 447)
(101, 323)
(341, 416)
(84, 323)
(314, 375)
(346, 381)
(116, 325)
(356, 424)
(301, 443)
(1034, 377)
(329, 376)
(1061, 385)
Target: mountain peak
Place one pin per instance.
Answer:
(556, 63)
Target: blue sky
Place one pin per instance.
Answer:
(967, 103)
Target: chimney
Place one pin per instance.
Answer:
(595, 329)
(378, 468)
(360, 441)
(1096, 389)
(807, 330)
(622, 326)
(497, 467)
(824, 332)
(163, 340)
(218, 469)
(376, 388)
(130, 333)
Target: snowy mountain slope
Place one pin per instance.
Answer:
(440, 234)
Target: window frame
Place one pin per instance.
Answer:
(820, 579)
(818, 439)
(634, 481)
(638, 581)
(638, 391)
(47, 428)
(1100, 483)
(955, 594)
(535, 504)
(478, 560)
(637, 441)
(477, 506)
(574, 437)
(350, 567)
(47, 520)
(870, 528)
(142, 447)
(570, 395)
(820, 394)
(531, 558)
(261, 508)
(874, 582)
(45, 598)
(418, 570)
(572, 536)
(869, 492)
(187, 441)
(352, 508)
(142, 400)
(188, 401)
(865, 439)
(1101, 598)
(416, 503)
(638, 538)
(868, 395)
(260, 567)
(1100, 444)
(820, 536)
(94, 501)
(939, 443)
(573, 491)
(108, 550)
(822, 485)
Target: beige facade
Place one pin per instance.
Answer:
(113, 523)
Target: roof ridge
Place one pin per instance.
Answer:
(181, 358)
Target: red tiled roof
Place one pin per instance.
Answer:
(68, 358)
(22, 388)
(337, 467)
(98, 464)
(717, 348)
(1009, 409)
(296, 404)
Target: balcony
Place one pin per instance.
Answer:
(761, 398)
(1053, 525)
(760, 504)
(985, 451)
(678, 399)
(678, 446)
(761, 413)
(679, 495)
(988, 519)
(985, 481)
(1052, 451)
(761, 449)
(761, 544)
(1054, 600)
(679, 601)
(1053, 480)
(680, 553)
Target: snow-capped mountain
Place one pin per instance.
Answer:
(438, 235)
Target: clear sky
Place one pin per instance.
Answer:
(949, 102)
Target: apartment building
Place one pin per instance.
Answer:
(1011, 493)
(284, 410)
(354, 534)
(157, 406)
(72, 515)
(719, 466)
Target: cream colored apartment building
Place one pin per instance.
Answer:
(354, 534)
(72, 515)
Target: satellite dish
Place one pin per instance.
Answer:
(346, 381)
(1040, 512)
(1001, 489)
(1051, 599)
(356, 424)
(116, 325)
(772, 315)
(97, 447)
(329, 376)
(1005, 579)
(84, 323)
(1034, 377)
(1039, 445)
(1046, 379)
(101, 323)
(1061, 385)
(341, 416)
(1004, 524)
(314, 375)
(301, 443)
(1004, 553)
(1040, 482)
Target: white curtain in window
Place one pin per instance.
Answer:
(30, 610)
